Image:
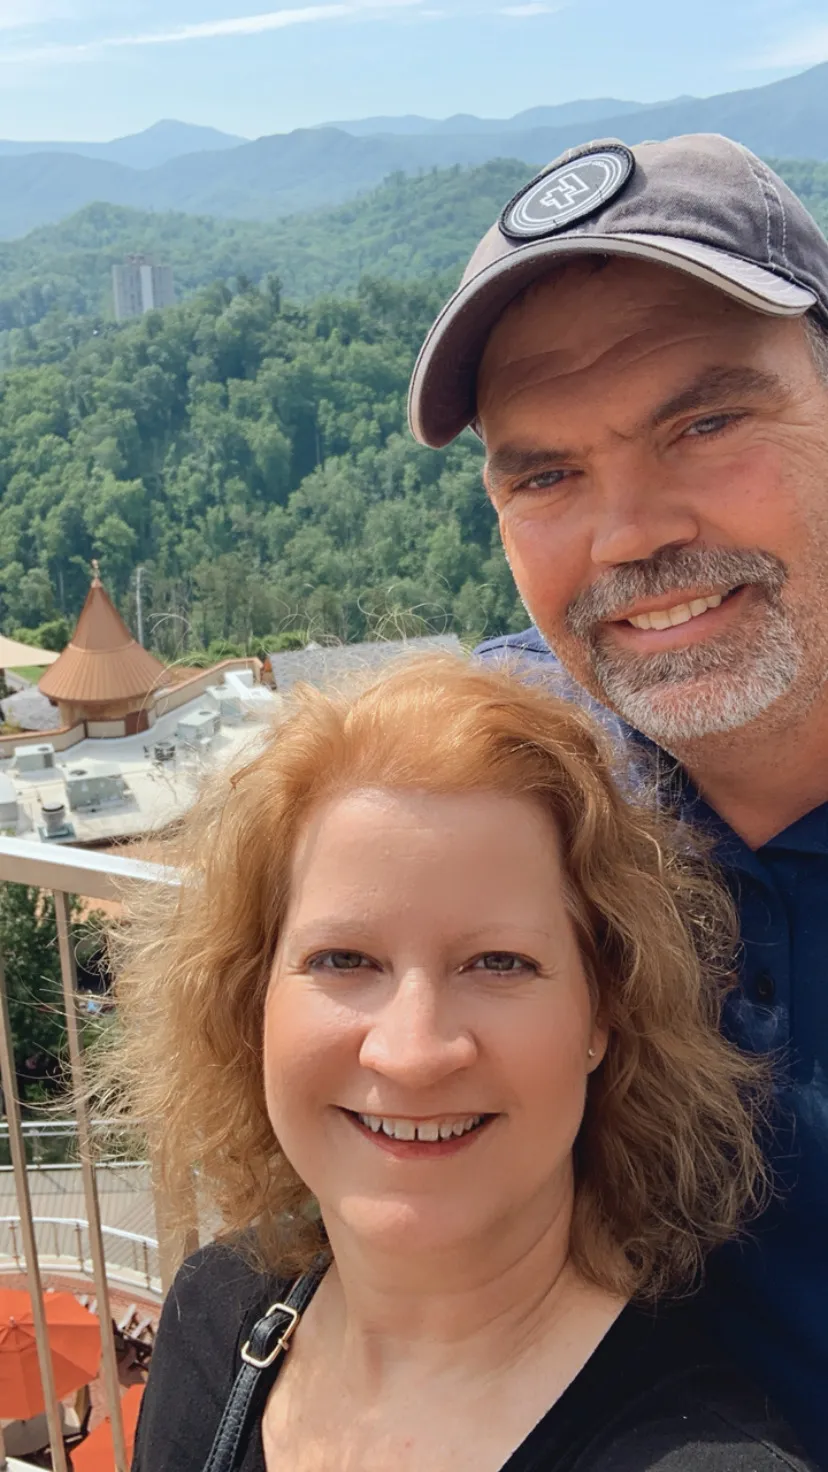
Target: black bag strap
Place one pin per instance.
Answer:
(262, 1355)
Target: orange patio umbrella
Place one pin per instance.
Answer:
(75, 1339)
(97, 1454)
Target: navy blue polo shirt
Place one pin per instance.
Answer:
(768, 1296)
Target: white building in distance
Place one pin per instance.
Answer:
(140, 285)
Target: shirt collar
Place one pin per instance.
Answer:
(808, 834)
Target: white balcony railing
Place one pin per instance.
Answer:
(102, 1252)
(63, 1245)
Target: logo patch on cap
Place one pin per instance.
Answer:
(567, 193)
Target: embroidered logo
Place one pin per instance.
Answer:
(567, 193)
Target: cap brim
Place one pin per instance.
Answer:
(444, 382)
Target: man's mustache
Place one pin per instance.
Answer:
(671, 571)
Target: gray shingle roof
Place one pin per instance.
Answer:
(30, 710)
(321, 664)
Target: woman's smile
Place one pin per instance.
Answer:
(435, 1138)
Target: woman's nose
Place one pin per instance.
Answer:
(414, 1038)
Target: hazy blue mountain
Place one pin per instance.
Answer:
(557, 115)
(787, 118)
(146, 150)
(317, 167)
(410, 227)
(405, 126)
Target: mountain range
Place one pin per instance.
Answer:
(321, 167)
(171, 139)
(559, 115)
(145, 150)
(408, 228)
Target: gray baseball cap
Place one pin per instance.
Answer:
(700, 203)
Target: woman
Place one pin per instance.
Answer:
(434, 1015)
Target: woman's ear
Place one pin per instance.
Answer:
(598, 1043)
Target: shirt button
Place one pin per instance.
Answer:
(765, 987)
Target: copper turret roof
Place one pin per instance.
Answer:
(102, 662)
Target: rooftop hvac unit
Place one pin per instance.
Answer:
(9, 806)
(198, 726)
(163, 751)
(94, 785)
(55, 824)
(34, 758)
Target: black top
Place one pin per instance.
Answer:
(767, 1292)
(656, 1393)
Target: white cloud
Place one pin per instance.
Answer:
(17, 15)
(806, 48)
(242, 25)
(205, 30)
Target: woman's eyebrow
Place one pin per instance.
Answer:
(717, 385)
(325, 925)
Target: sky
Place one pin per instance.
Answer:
(98, 69)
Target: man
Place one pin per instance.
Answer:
(641, 341)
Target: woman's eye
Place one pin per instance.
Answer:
(713, 424)
(338, 961)
(501, 962)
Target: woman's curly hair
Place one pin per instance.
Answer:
(667, 1163)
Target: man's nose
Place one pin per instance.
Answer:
(415, 1039)
(638, 515)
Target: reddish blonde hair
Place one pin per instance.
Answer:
(667, 1163)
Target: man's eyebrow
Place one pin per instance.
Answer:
(716, 385)
(511, 460)
(712, 386)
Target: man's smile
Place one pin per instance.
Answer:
(675, 621)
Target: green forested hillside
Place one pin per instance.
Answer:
(408, 228)
(252, 456)
(247, 449)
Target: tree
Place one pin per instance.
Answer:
(29, 948)
(251, 456)
(28, 940)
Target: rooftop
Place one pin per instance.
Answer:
(102, 662)
(161, 771)
(319, 663)
(12, 653)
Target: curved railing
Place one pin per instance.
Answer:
(64, 1241)
(85, 1244)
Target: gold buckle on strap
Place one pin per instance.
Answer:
(282, 1343)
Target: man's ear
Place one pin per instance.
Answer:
(486, 484)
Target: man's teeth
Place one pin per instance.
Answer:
(681, 613)
(419, 1129)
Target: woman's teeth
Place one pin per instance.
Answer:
(419, 1129)
(681, 613)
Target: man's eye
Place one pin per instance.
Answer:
(545, 481)
(338, 961)
(501, 962)
(713, 424)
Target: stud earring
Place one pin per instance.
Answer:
(591, 1052)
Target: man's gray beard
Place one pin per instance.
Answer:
(716, 686)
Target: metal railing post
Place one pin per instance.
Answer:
(68, 972)
(18, 1154)
(174, 1241)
